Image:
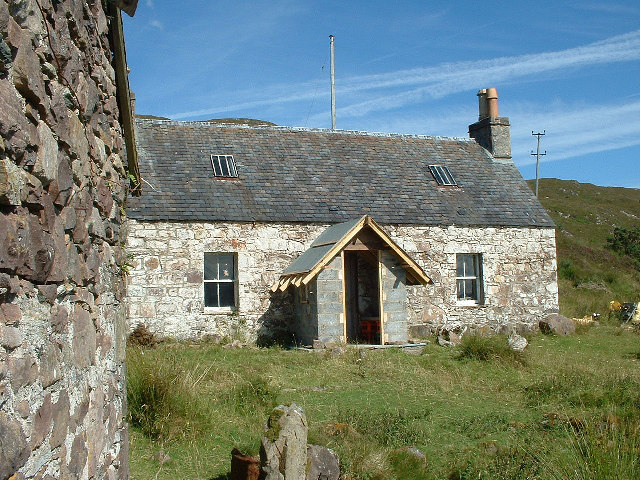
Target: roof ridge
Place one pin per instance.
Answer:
(299, 129)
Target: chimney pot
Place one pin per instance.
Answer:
(492, 102)
(491, 131)
(482, 104)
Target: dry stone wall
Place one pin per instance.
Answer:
(62, 186)
(165, 289)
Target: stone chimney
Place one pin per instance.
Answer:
(491, 131)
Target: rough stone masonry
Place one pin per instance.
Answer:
(62, 188)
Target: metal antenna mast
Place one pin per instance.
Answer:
(538, 155)
(333, 85)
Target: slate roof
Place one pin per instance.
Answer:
(288, 174)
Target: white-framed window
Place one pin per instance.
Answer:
(469, 279)
(442, 175)
(220, 280)
(224, 166)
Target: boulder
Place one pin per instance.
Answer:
(283, 452)
(450, 335)
(322, 463)
(558, 324)
(517, 343)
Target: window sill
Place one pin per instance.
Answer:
(469, 303)
(220, 310)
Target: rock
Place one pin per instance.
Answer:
(283, 451)
(42, 422)
(451, 335)
(420, 332)
(5, 55)
(12, 183)
(517, 343)
(14, 451)
(79, 456)
(84, 338)
(23, 409)
(24, 371)
(10, 337)
(244, 467)
(322, 463)
(27, 76)
(46, 167)
(558, 324)
(104, 199)
(10, 314)
(50, 365)
(61, 416)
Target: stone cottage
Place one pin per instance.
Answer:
(335, 235)
(65, 136)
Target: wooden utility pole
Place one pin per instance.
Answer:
(538, 155)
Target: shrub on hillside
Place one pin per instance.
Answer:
(627, 242)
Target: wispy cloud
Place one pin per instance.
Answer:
(575, 131)
(156, 24)
(366, 94)
(608, 7)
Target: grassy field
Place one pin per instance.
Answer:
(568, 404)
(589, 274)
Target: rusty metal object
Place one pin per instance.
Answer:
(244, 467)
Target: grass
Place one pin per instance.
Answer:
(567, 404)
(589, 274)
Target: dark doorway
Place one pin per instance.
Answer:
(362, 296)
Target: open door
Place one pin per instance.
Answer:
(362, 297)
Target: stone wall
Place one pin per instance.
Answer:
(166, 293)
(305, 329)
(330, 308)
(394, 298)
(62, 187)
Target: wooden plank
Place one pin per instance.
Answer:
(275, 286)
(345, 317)
(285, 284)
(381, 297)
(123, 96)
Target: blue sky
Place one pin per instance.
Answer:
(570, 68)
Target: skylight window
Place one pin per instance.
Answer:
(224, 166)
(442, 175)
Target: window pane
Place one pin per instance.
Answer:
(465, 265)
(469, 266)
(225, 261)
(215, 164)
(460, 287)
(211, 266)
(227, 297)
(468, 289)
(224, 166)
(473, 290)
(211, 294)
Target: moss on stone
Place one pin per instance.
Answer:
(273, 424)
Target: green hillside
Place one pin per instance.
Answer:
(589, 274)
(233, 121)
